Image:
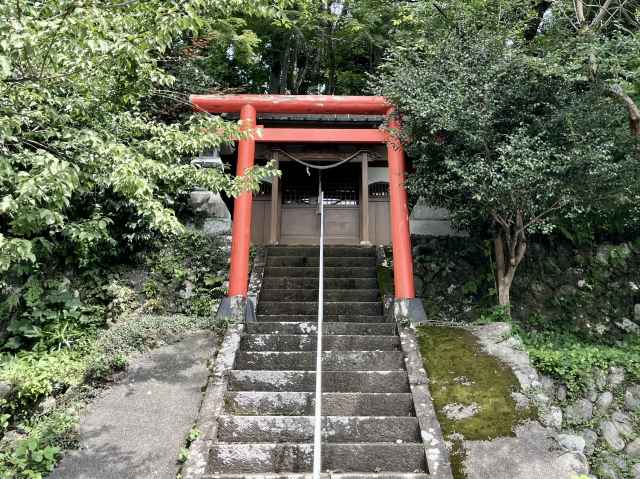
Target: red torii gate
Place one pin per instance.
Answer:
(249, 105)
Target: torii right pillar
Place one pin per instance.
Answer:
(406, 306)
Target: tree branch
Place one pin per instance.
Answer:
(556, 206)
(579, 8)
(632, 108)
(45, 59)
(441, 12)
(121, 5)
(603, 11)
(498, 219)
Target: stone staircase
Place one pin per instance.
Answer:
(369, 424)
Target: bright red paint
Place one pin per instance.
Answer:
(320, 135)
(248, 105)
(292, 104)
(400, 235)
(241, 227)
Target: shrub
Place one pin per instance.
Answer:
(35, 375)
(572, 359)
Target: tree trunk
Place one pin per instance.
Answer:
(503, 283)
(504, 295)
(510, 246)
(275, 76)
(284, 69)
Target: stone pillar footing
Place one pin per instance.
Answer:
(409, 311)
(236, 309)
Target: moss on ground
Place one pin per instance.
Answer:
(461, 372)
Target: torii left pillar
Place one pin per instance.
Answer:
(235, 304)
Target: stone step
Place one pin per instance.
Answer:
(332, 381)
(312, 272)
(366, 295)
(331, 360)
(335, 429)
(328, 318)
(312, 283)
(333, 404)
(308, 342)
(329, 251)
(328, 475)
(331, 261)
(369, 308)
(264, 326)
(291, 457)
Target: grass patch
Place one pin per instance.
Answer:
(139, 334)
(460, 372)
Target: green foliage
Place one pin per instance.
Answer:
(30, 459)
(88, 173)
(183, 455)
(54, 365)
(497, 132)
(194, 433)
(572, 359)
(35, 453)
(310, 48)
(186, 275)
(516, 121)
(569, 304)
(46, 312)
(494, 315)
(35, 375)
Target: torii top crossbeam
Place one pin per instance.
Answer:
(249, 105)
(294, 104)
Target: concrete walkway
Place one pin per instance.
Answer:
(532, 454)
(137, 427)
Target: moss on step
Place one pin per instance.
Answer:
(385, 279)
(461, 372)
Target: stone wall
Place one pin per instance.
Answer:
(601, 424)
(591, 294)
(425, 220)
(592, 291)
